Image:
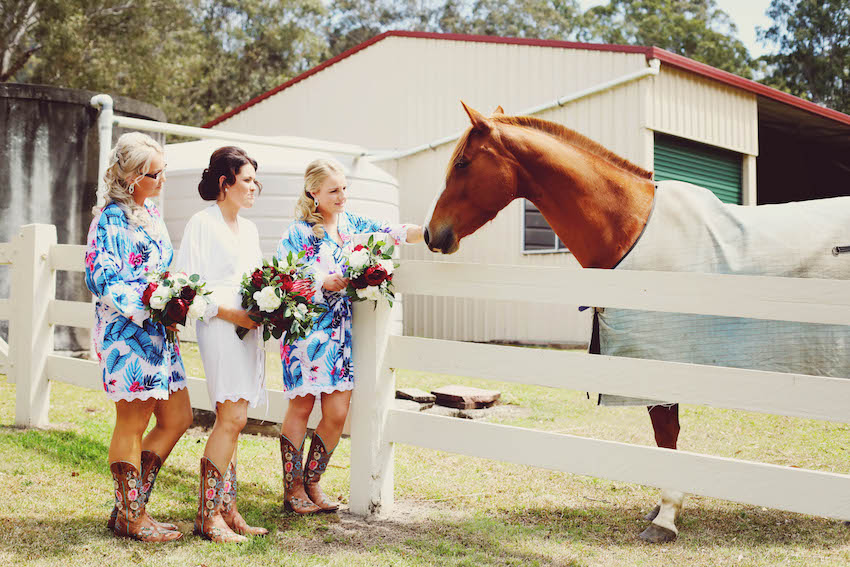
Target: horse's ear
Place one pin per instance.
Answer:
(499, 110)
(478, 120)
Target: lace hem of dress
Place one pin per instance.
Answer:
(314, 389)
(236, 397)
(146, 395)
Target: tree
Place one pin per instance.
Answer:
(124, 47)
(540, 19)
(355, 21)
(694, 28)
(248, 47)
(813, 59)
(17, 20)
(192, 58)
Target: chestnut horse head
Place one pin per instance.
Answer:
(595, 201)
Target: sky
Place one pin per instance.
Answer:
(747, 14)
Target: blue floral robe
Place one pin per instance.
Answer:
(136, 360)
(321, 362)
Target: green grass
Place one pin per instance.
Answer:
(55, 494)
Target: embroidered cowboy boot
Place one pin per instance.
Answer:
(151, 464)
(294, 497)
(208, 523)
(231, 515)
(317, 462)
(131, 519)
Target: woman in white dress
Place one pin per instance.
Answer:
(221, 246)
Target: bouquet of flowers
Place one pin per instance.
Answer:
(370, 271)
(172, 297)
(279, 295)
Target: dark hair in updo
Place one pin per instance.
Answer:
(226, 161)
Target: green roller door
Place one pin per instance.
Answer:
(706, 166)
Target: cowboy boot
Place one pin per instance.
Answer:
(317, 462)
(151, 464)
(293, 478)
(132, 520)
(208, 523)
(231, 515)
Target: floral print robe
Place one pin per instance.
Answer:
(321, 362)
(136, 360)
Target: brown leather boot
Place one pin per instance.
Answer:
(317, 462)
(231, 515)
(209, 523)
(293, 478)
(151, 464)
(132, 520)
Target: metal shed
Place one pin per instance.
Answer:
(399, 95)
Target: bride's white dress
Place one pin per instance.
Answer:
(234, 368)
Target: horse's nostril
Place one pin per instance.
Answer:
(425, 235)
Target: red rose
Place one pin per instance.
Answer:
(375, 275)
(287, 282)
(257, 279)
(359, 247)
(359, 282)
(146, 296)
(188, 294)
(176, 310)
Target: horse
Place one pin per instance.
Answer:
(600, 206)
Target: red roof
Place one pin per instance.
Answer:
(662, 55)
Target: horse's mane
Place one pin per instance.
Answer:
(571, 137)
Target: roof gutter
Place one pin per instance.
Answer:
(652, 70)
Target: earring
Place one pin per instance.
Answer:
(131, 189)
(316, 203)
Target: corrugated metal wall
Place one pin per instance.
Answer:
(699, 109)
(402, 92)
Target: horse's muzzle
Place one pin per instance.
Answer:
(442, 240)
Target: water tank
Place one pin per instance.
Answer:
(372, 192)
(49, 154)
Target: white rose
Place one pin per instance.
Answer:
(358, 260)
(198, 307)
(387, 265)
(267, 299)
(160, 297)
(372, 292)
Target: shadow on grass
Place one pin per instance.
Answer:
(425, 534)
(498, 538)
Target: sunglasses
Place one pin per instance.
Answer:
(155, 176)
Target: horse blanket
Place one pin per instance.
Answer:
(691, 230)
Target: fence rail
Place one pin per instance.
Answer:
(375, 426)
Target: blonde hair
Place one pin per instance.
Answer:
(305, 208)
(129, 159)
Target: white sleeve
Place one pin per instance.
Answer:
(191, 258)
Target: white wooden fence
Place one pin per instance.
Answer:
(375, 425)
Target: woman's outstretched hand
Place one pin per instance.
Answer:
(414, 234)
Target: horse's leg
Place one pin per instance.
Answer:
(665, 423)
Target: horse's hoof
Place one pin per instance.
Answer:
(656, 534)
(652, 514)
(847, 524)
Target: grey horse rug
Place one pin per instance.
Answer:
(691, 230)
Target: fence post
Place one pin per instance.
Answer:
(30, 332)
(371, 454)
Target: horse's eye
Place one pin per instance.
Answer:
(461, 163)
